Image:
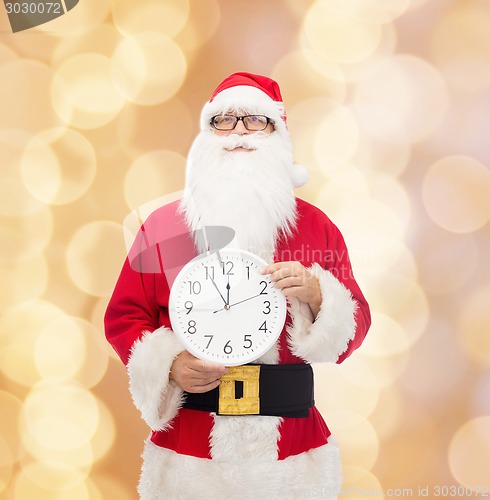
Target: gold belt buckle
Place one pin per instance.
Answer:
(249, 404)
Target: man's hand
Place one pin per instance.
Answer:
(296, 281)
(195, 375)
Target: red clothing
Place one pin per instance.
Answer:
(140, 303)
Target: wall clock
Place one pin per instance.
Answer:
(223, 310)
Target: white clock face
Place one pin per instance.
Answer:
(223, 310)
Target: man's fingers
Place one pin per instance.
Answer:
(281, 270)
(205, 367)
(274, 268)
(289, 281)
(193, 383)
(297, 281)
(204, 388)
(194, 364)
(194, 375)
(289, 275)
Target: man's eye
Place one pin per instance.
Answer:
(221, 120)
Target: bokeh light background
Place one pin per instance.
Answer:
(389, 107)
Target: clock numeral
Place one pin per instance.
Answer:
(263, 292)
(188, 305)
(248, 272)
(227, 348)
(227, 267)
(263, 327)
(246, 338)
(194, 287)
(267, 307)
(191, 327)
(209, 272)
(210, 338)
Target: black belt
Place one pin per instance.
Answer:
(274, 390)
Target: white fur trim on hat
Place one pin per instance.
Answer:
(325, 339)
(158, 398)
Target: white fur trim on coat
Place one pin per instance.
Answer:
(166, 475)
(325, 339)
(157, 397)
(245, 437)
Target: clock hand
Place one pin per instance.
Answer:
(228, 292)
(244, 300)
(239, 302)
(216, 286)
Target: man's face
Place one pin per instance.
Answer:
(239, 178)
(241, 130)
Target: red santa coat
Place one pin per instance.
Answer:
(238, 456)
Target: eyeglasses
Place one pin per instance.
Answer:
(254, 123)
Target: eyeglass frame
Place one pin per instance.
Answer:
(241, 118)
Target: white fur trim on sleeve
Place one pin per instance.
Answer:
(157, 397)
(325, 339)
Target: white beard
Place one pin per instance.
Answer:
(249, 192)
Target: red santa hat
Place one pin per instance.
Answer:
(254, 94)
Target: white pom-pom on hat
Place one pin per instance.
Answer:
(299, 175)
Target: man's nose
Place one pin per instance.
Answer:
(240, 128)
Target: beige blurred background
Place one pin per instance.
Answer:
(388, 105)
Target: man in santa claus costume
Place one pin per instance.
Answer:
(240, 175)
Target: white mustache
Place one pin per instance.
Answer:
(238, 141)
